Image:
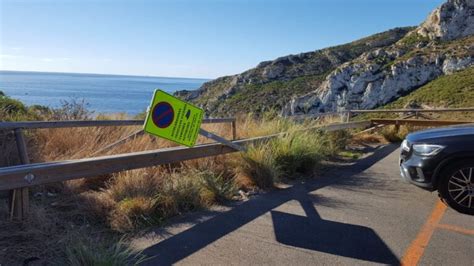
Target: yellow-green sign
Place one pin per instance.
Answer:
(173, 119)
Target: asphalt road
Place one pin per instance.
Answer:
(356, 214)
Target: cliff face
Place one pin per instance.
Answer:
(452, 20)
(381, 76)
(272, 84)
(360, 75)
(441, 45)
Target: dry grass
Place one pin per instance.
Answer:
(297, 153)
(257, 167)
(105, 207)
(144, 197)
(54, 234)
(393, 134)
(8, 149)
(85, 252)
(368, 138)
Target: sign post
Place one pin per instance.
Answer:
(176, 120)
(222, 140)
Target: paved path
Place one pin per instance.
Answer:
(358, 214)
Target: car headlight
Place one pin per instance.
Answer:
(405, 146)
(427, 149)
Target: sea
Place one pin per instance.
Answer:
(103, 94)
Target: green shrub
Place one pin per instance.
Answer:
(80, 252)
(297, 153)
(222, 189)
(394, 134)
(412, 39)
(9, 106)
(74, 109)
(181, 191)
(132, 213)
(40, 110)
(144, 197)
(259, 165)
(15, 110)
(289, 156)
(337, 141)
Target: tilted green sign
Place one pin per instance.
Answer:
(173, 119)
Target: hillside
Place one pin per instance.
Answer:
(364, 74)
(455, 90)
(272, 84)
(449, 91)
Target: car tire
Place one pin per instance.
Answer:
(456, 187)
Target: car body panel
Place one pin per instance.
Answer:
(424, 171)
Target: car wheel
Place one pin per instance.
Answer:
(456, 187)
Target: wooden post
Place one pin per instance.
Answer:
(349, 114)
(397, 126)
(234, 130)
(20, 198)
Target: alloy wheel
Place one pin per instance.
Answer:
(461, 187)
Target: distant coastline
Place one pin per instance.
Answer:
(104, 93)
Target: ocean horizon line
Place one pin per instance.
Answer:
(96, 74)
(104, 93)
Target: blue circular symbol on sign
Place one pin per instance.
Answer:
(163, 115)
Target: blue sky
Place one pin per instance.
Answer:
(207, 38)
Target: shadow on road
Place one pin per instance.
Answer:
(313, 232)
(341, 239)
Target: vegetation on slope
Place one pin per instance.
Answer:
(455, 90)
(273, 83)
(416, 45)
(267, 97)
(450, 91)
(11, 108)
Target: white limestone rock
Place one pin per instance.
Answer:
(369, 81)
(454, 19)
(365, 86)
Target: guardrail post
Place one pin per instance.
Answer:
(349, 114)
(397, 126)
(20, 197)
(234, 129)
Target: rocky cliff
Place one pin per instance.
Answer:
(363, 74)
(452, 20)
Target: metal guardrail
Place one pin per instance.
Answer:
(91, 123)
(20, 177)
(347, 114)
(28, 175)
(467, 109)
(418, 122)
(19, 200)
